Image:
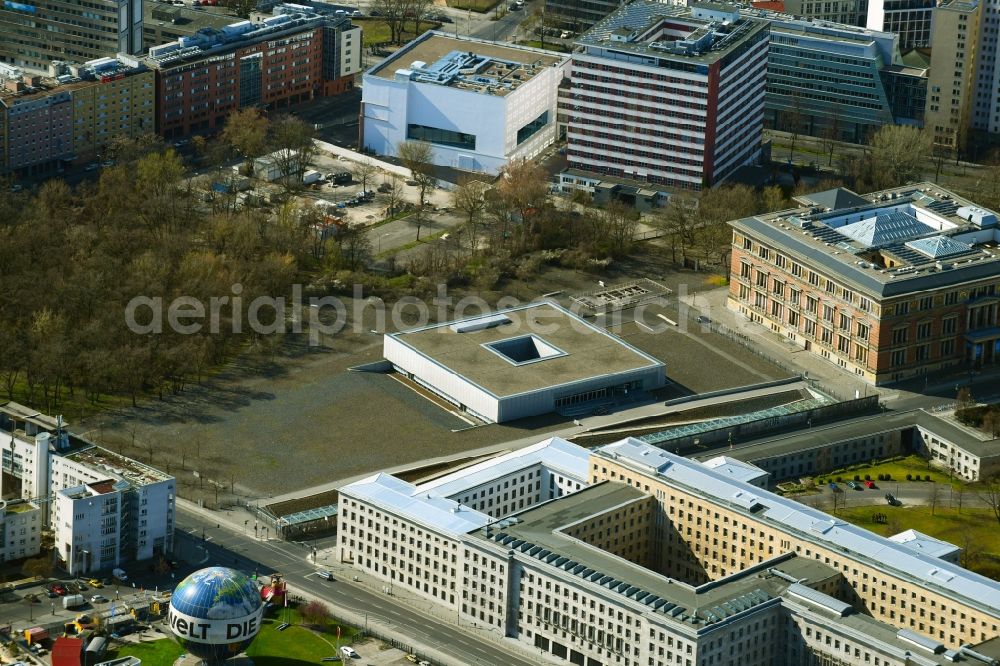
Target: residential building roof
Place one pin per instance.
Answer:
(735, 469)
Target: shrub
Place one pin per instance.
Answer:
(868, 477)
(909, 477)
(927, 477)
(888, 477)
(857, 477)
(840, 479)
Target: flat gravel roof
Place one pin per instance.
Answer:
(587, 350)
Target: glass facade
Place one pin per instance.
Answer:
(441, 137)
(532, 128)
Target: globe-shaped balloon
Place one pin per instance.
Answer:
(215, 613)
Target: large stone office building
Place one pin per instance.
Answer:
(640, 557)
(888, 285)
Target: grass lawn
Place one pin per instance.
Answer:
(972, 529)
(163, 652)
(376, 31)
(474, 5)
(295, 646)
(914, 465)
(548, 46)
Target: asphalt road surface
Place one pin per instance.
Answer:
(223, 547)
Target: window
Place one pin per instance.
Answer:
(898, 358)
(948, 325)
(442, 137)
(532, 128)
(843, 344)
(947, 347)
(747, 244)
(926, 303)
(899, 335)
(863, 331)
(763, 252)
(923, 331)
(923, 352)
(845, 322)
(902, 309)
(827, 335)
(865, 304)
(828, 312)
(797, 270)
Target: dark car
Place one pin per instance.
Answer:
(891, 499)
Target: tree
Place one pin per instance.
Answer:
(37, 567)
(363, 171)
(792, 122)
(988, 491)
(355, 247)
(392, 195)
(830, 136)
(291, 141)
(679, 219)
(393, 13)
(991, 422)
(417, 9)
(964, 399)
(898, 153)
(620, 222)
(243, 8)
(246, 134)
(418, 157)
(934, 497)
(316, 613)
(470, 198)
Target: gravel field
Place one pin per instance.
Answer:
(263, 427)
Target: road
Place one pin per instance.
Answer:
(224, 547)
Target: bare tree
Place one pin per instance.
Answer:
(392, 195)
(793, 118)
(292, 141)
(364, 171)
(934, 497)
(393, 12)
(989, 492)
(470, 198)
(679, 220)
(830, 137)
(620, 222)
(898, 154)
(418, 157)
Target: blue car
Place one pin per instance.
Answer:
(834, 487)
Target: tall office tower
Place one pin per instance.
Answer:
(668, 95)
(950, 84)
(986, 109)
(35, 32)
(910, 19)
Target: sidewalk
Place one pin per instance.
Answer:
(327, 559)
(827, 375)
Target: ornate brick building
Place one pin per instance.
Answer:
(887, 285)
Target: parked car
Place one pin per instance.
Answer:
(869, 484)
(834, 487)
(99, 599)
(119, 574)
(58, 588)
(891, 499)
(325, 575)
(95, 583)
(852, 485)
(349, 652)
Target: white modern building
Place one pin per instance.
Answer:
(22, 523)
(668, 95)
(528, 360)
(650, 559)
(104, 509)
(479, 104)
